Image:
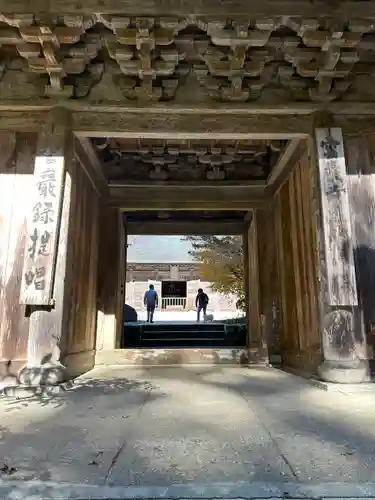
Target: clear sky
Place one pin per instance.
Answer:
(166, 249)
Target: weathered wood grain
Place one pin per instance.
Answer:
(361, 187)
(7, 185)
(338, 243)
(82, 272)
(22, 121)
(295, 224)
(91, 164)
(255, 324)
(186, 198)
(189, 125)
(295, 239)
(47, 326)
(109, 252)
(14, 326)
(42, 201)
(287, 274)
(217, 8)
(121, 280)
(269, 282)
(283, 162)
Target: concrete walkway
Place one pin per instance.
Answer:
(162, 432)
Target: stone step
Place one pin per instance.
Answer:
(183, 335)
(168, 357)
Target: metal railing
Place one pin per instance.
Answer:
(173, 302)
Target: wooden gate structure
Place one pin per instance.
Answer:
(262, 109)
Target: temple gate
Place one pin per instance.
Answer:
(258, 113)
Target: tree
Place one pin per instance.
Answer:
(221, 262)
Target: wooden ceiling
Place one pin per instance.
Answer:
(172, 160)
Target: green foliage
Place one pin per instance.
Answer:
(221, 261)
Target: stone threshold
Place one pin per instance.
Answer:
(172, 357)
(239, 490)
(349, 389)
(344, 388)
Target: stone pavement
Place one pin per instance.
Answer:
(188, 432)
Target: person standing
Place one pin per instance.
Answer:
(151, 301)
(201, 303)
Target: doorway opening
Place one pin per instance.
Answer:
(173, 295)
(166, 262)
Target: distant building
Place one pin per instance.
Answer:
(165, 262)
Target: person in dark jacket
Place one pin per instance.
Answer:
(201, 303)
(151, 301)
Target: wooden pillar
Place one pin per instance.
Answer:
(44, 284)
(111, 284)
(245, 247)
(258, 349)
(269, 282)
(263, 287)
(337, 273)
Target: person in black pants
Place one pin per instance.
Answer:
(150, 301)
(201, 303)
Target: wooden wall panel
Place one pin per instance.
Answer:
(7, 183)
(82, 266)
(295, 224)
(108, 278)
(360, 153)
(254, 288)
(269, 279)
(15, 181)
(286, 265)
(71, 325)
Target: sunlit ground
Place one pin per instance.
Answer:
(159, 426)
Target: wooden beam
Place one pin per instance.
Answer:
(189, 125)
(22, 121)
(286, 108)
(283, 161)
(194, 8)
(201, 121)
(289, 163)
(357, 110)
(167, 185)
(185, 198)
(172, 227)
(91, 164)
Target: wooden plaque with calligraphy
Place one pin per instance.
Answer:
(338, 245)
(42, 229)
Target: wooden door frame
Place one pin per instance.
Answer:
(121, 279)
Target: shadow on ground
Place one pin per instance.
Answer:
(165, 425)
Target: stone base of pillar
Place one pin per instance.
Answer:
(258, 356)
(46, 380)
(41, 375)
(344, 372)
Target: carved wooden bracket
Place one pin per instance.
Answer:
(320, 59)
